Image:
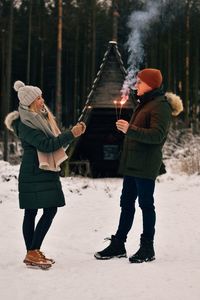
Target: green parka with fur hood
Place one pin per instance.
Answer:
(147, 133)
(37, 188)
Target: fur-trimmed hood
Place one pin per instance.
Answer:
(10, 118)
(175, 103)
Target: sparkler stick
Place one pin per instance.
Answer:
(122, 102)
(115, 102)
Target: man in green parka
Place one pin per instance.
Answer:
(141, 161)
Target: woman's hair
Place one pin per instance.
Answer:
(50, 117)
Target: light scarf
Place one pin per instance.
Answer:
(47, 161)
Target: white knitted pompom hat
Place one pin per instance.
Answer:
(26, 93)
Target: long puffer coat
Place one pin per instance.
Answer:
(38, 188)
(146, 135)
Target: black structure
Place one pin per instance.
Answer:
(97, 152)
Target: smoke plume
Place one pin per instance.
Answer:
(139, 24)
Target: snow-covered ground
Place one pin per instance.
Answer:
(79, 229)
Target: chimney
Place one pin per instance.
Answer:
(115, 20)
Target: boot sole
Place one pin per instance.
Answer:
(139, 261)
(109, 257)
(35, 265)
(49, 260)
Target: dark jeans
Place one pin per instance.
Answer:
(34, 236)
(134, 187)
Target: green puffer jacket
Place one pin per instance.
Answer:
(38, 188)
(146, 135)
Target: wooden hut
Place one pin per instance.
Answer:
(97, 152)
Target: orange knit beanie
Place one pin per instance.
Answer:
(152, 77)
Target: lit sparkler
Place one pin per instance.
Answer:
(119, 104)
(116, 111)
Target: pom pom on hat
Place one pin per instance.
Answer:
(17, 85)
(152, 77)
(26, 93)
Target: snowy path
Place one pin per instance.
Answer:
(79, 228)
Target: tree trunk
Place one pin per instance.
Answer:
(93, 67)
(58, 69)
(41, 40)
(76, 80)
(196, 108)
(3, 71)
(169, 61)
(29, 43)
(84, 62)
(8, 80)
(187, 63)
(89, 50)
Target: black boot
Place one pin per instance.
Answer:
(145, 253)
(115, 249)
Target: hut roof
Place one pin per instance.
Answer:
(108, 82)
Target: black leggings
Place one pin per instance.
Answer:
(34, 236)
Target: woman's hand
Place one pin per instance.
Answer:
(122, 125)
(78, 129)
(83, 126)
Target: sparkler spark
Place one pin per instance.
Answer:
(119, 105)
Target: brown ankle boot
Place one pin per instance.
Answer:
(35, 258)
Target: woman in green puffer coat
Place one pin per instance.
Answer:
(43, 152)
